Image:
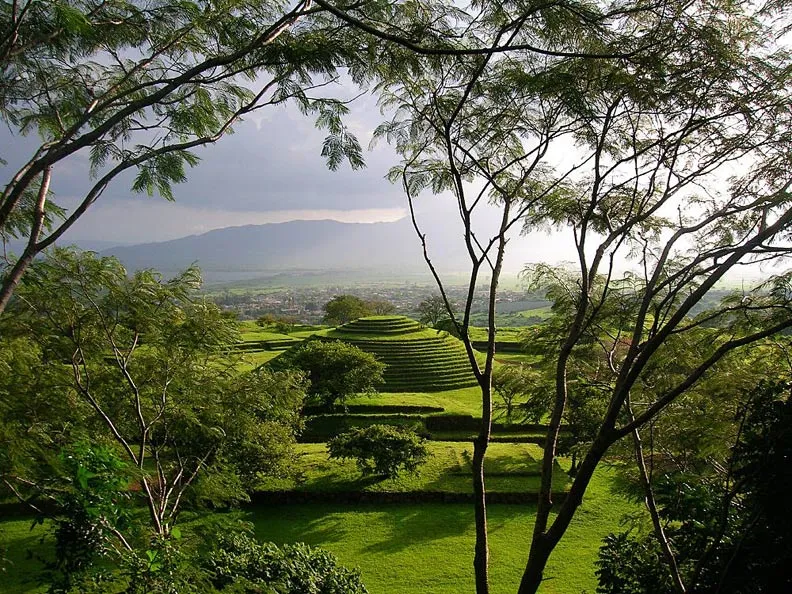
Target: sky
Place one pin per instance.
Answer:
(270, 170)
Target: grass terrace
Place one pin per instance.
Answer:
(510, 468)
(428, 547)
(418, 359)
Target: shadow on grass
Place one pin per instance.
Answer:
(314, 524)
(23, 551)
(410, 525)
(416, 525)
(332, 482)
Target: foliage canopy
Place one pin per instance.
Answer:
(104, 368)
(334, 368)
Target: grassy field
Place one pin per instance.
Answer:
(428, 548)
(259, 334)
(466, 401)
(253, 359)
(512, 468)
(412, 548)
(516, 358)
(503, 335)
(400, 548)
(22, 546)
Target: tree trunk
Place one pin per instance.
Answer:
(543, 544)
(481, 557)
(12, 279)
(651, 505)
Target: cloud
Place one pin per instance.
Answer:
(269, 170)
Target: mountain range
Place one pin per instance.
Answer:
(260, 251)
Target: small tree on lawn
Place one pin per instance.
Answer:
(381, 449)
(516, 386)
(335, 369)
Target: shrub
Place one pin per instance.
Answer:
(241, 564)
(380, 449)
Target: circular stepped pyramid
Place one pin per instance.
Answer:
(417, 359)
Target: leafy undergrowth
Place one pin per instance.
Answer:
(512, 468)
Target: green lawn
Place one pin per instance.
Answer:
(22, 547)
(307, 332)
(512, 468)
(400, 548)
(259, 334)
(516, 358)
(428, 548)
(405, 337)
(503, 334)
(466, 401)
(252, 359)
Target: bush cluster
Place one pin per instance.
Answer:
(241, 564)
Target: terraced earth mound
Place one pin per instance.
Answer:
(418, 359)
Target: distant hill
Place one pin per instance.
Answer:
(254, 251)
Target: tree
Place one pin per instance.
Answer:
(650, 129)
(132, 370)
(516, 385)
(134, 88)
(459, 120)
(345, 308)
(281, 324)
(380, 449)
(380, 307)
(433, 309)
(726, 528)
(335, 369)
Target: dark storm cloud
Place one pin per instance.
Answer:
(274, 164)
(271, 163)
